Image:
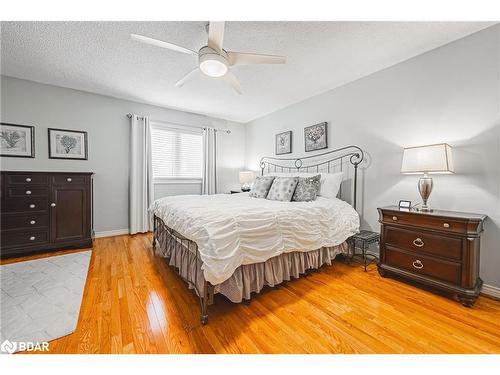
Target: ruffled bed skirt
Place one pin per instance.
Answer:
(246, 279)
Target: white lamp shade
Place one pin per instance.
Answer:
(427, 159)
(246, 177)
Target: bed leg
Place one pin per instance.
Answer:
(246, 302)
(205, 301)
(154, 230)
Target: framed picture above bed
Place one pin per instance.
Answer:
(17, 140)
(67, 144)
(315, 137)
(284, 143)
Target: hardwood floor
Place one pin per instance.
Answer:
(134, 303)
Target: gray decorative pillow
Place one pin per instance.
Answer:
(307, 189)
(261, 187)
(282, 189)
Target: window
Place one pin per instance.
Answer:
(176, 154)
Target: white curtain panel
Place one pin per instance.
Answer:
(209, 183)
(141, 175)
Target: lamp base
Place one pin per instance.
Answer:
(424, 209)
(425, 185)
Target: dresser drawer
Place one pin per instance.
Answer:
(25, 220)
(23, 237)
(27, 191)
(423, 265)
(25, 204)
(65, 179)
(427, 221)
(28, 178)
(423, 242)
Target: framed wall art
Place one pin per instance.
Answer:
(315, 137)
(283, 143)
(67, 144)
(17, 140)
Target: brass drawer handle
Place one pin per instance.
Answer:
(28, 192)
(446, 225)
(394, 218)
(28, 179)
(69, 179)
(418, 242)
(32, 206)
(418, 264)
(52, 205)
(32, 238)
(32, 222)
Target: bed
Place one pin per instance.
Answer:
(234, 244)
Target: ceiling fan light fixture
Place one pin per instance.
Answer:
(213, 65)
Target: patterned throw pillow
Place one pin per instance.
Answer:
(282, 189)
(307, 189)
(261, 187)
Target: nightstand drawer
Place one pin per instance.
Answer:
(423, 265)
(68, 179)
(415, 219)
(24, 237)
(423, 242)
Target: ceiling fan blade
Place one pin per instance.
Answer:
(162, 44)
(215, 35)
(187, 77)
(233, 81)
(240, 58)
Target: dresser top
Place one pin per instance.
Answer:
(437, 213)
(44, 172)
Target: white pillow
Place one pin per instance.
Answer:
(330, 182)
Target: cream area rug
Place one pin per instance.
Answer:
(41, 298)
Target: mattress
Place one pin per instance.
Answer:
(234, 229)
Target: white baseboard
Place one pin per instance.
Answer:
(491, 291)
(111, 233)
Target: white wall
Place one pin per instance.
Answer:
(450, 94)
(103, 117)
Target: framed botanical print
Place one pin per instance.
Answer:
(17, 140)
(67, 144)
(315, 137)
(283, 143)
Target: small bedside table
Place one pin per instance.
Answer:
(364, 239)
(438, 249)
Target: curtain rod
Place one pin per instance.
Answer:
(129, 115)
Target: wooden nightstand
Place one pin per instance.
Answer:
(438, 249)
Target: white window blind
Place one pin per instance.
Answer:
(176, 154)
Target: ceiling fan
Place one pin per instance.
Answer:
(213, 60)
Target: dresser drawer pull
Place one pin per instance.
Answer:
(68, 179)
(418, 242)
(32, 238)
(418, 264)
(32, 222)
(394, 218)
(28, 179)
(28, 192)
(446, 225)
(52, 205)
(32, 206)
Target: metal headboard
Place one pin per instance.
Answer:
(323, 162)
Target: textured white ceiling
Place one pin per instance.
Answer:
(100, 57)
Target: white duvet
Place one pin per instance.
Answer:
(235, 229)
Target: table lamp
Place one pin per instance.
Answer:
(429, 159)
(246, 178)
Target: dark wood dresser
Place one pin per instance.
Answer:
(438, 249)
(43, 211)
